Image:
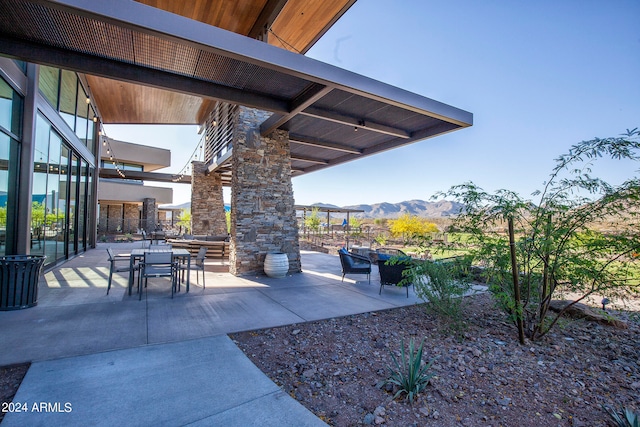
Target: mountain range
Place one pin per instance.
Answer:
(421, 208)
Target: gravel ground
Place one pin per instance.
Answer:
(486, 379)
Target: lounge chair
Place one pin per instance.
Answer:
(354, 264)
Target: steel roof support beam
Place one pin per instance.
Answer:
(351, 121)
(109, 68)
(323, 144)
(311, 94)
(267, 17)
(309, 159)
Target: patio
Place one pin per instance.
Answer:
(90, 349)
(74, 316)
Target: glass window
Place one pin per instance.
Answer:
(73, 204)
(93, 118)
(82, 119)
(82, 205)
(10, 108)
(68, 97)
(55, 217)
(40, 205)
(5, 144)
(63, 191)
(48, 84)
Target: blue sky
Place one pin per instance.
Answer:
(538, 77)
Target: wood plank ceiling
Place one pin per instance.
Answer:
(294, 25)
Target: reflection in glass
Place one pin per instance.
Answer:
(73, 206)
(82, 205)
(82, 116)
(48, 84)
(68, 90)
(63, 191)
(5, 144)
(10, 108)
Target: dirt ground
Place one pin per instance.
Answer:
(486, 379)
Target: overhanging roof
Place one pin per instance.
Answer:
(332, 115)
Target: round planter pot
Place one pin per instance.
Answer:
(276, 264)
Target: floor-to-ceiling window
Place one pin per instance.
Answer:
(82, 206)
(10, 130)
(73, 204)
(60, 208)
(63, 172)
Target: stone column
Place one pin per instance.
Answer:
(131, 218)
(149, 215)
(263, 217)
(207, 203)
(114, 218)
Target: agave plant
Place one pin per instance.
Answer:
(625, 418)
(408, 374)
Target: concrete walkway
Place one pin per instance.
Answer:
(115, 360)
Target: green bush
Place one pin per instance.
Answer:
(443, 284)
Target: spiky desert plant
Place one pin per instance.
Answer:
(409, 374)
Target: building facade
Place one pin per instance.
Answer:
(121, 201)
(48, 149)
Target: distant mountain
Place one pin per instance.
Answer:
(440, 209)
(443, 208)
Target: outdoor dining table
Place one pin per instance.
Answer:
(138, 254)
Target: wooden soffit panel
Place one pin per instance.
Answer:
(231, 15)
(127, 103)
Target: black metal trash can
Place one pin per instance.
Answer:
(19, 281)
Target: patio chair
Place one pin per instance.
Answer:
(391, 275)
(113, 268)
(158, 264)
(384, 254)
(145, 239)
(198, 265)
(354, 264)
(160, 248)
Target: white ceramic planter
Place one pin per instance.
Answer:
(276, 264)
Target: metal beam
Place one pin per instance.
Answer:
(323, 144)
(267, 17)
(222, 162)
(351, 121)
(149, 20)
(309, 159)
(310, 95)
(109, 68)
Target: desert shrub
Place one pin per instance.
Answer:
(443, 284)
(409, 375)
(553, 245)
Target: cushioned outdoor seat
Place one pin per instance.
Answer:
(391, 275)
(385, 254)
(354, 264)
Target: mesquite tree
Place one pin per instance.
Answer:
(580, 236)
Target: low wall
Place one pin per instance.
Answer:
(215, 250)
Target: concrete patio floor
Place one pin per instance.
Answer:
(162, 361)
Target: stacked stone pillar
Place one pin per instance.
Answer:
(149, 215)
(131, 215)
(207, 204)
(263, 217)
